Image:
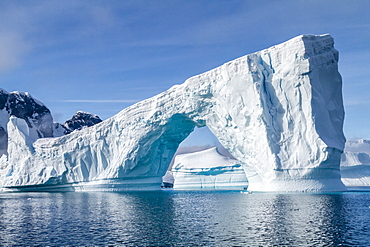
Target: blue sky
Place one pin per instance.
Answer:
(102, 56)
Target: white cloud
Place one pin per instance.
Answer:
(356, 102)
(12, 50)
(100, 101)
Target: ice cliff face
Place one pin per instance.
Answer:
(278, 111)
(208, 169)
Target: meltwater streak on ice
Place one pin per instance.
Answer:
(278, 111)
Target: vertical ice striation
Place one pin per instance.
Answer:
(278, 111)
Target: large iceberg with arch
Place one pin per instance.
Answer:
(278, 111)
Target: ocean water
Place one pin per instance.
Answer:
(184, 218)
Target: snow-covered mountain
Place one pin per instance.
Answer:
(278, 111)
(208, 169)
(81, 120)
(37, 117)
(78, 121)
(22, 105)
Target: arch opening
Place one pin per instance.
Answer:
(202, 162)
(154, 153)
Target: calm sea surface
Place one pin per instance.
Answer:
(185, 218)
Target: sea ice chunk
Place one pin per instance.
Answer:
(355, 165)
(208, 169)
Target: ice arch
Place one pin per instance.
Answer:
(278, 111)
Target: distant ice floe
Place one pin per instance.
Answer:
(208, 169)
(355, 165)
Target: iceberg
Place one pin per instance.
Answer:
(168, 180)
(208, 169)
(278, 111)
(355, 165)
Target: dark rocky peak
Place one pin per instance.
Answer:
(36, 114)
(80, 120)
(3, 141)
(24, 106)
(3, 98)
(38, 117)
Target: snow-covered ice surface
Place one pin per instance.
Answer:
(355, 165)
(278, 111)
(208, 169)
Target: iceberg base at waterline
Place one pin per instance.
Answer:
(308, 180)
(108, 185)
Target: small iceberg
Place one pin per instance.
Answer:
(208, 169)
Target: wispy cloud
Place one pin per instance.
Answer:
(12, 50)
(356, 102)
(100, 101)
